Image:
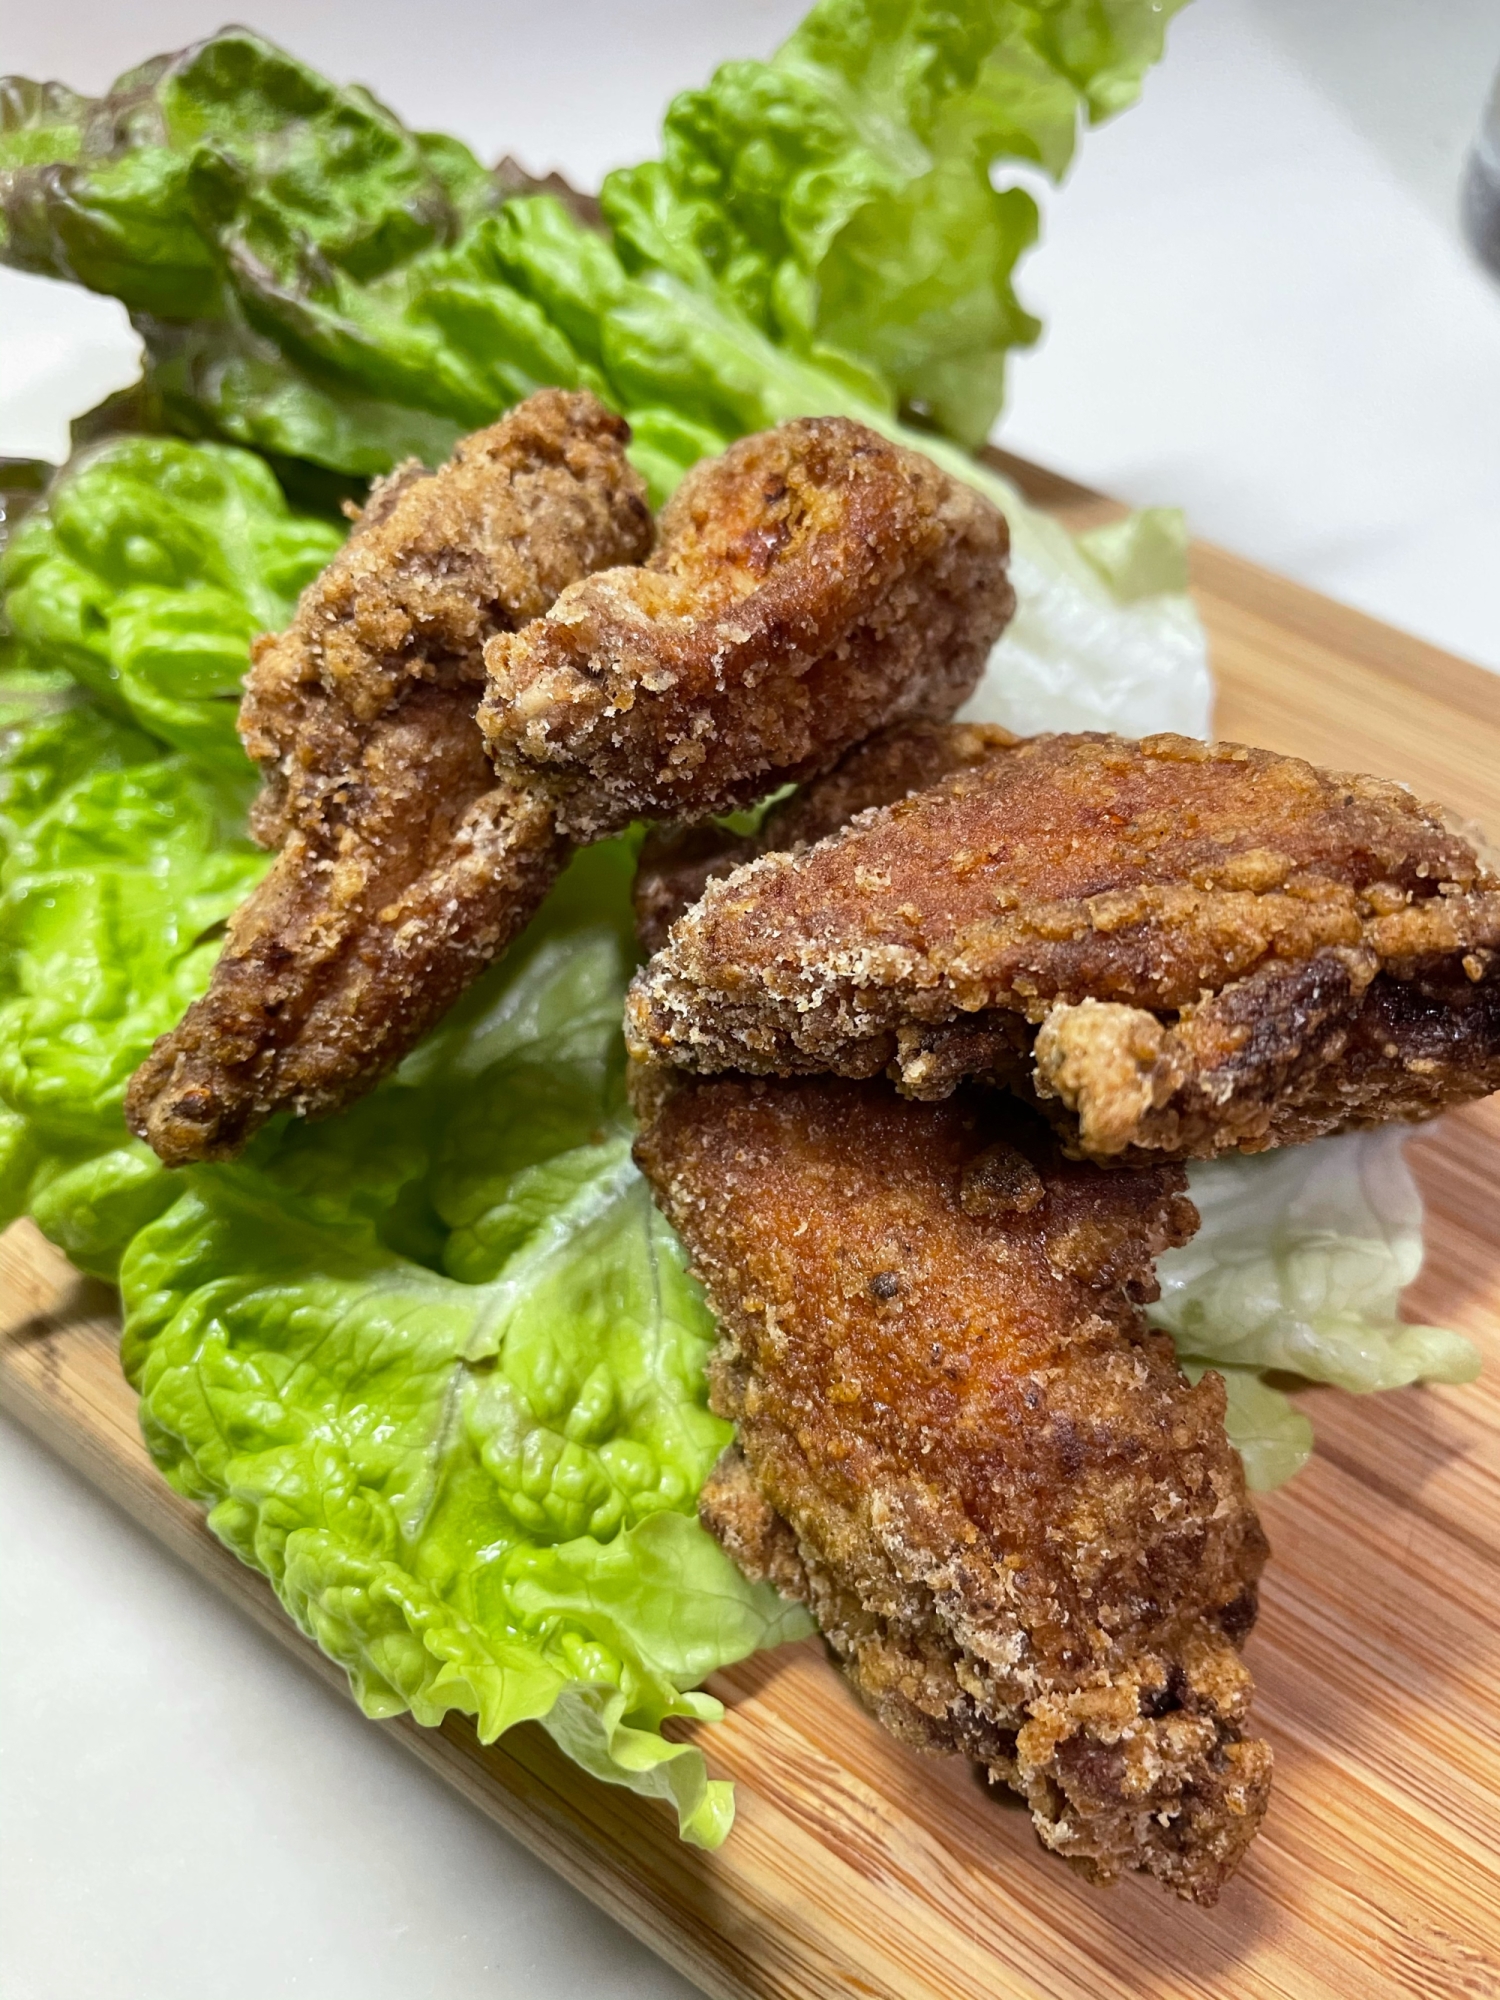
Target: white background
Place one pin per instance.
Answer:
(1257, 308)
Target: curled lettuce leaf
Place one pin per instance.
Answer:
(1300, 1263)
(842, 194)
(1298, 1269)
(230, 149)
(146, 573)
(436, 1368)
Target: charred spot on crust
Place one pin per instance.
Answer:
(1237, 1619)
(1168, 1698)
(1000, 1181)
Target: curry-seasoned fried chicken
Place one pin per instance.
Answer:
(1024, 1535)
(404, 865)
(1179, 948)
(811, 586)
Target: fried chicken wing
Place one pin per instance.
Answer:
(405, 865)
(677, 863)
(1025, 1537)
(810, 586)
(1178, 948)
(813, 585)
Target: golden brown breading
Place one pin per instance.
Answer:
(812, 585)
(1024, 1535)
(677, 863)
(404, 865)
(1181, 948)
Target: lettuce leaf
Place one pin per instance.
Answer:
(120, 866)
(312, 278)
(1272, 1436)
(436, 1369)
(1298, 1269)
(842, 196)
(1104, 635)
(231, 148)
(1300, 1264)
(146, 573)
(133, 589)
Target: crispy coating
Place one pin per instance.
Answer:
(813, 584)
(404, 865)
(677, 863)
(809, 587)
(1180, 949)
(1025, 1537)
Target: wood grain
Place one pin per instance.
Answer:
(856, 1869)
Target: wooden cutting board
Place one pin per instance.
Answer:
(856, 1868)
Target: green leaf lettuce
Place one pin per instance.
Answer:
(133, 587)
(313, 278)
(146, 573)
(842, 193)
(119, 868)
(436, 1368)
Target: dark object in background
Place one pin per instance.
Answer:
(1479, 197)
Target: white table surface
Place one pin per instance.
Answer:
(1258, 308)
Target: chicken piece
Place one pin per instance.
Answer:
(677, 863)
(1024, 1535)
(1179, 948)
(813, 585)
(405, 866)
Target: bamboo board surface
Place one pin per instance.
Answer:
(855, 1868)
